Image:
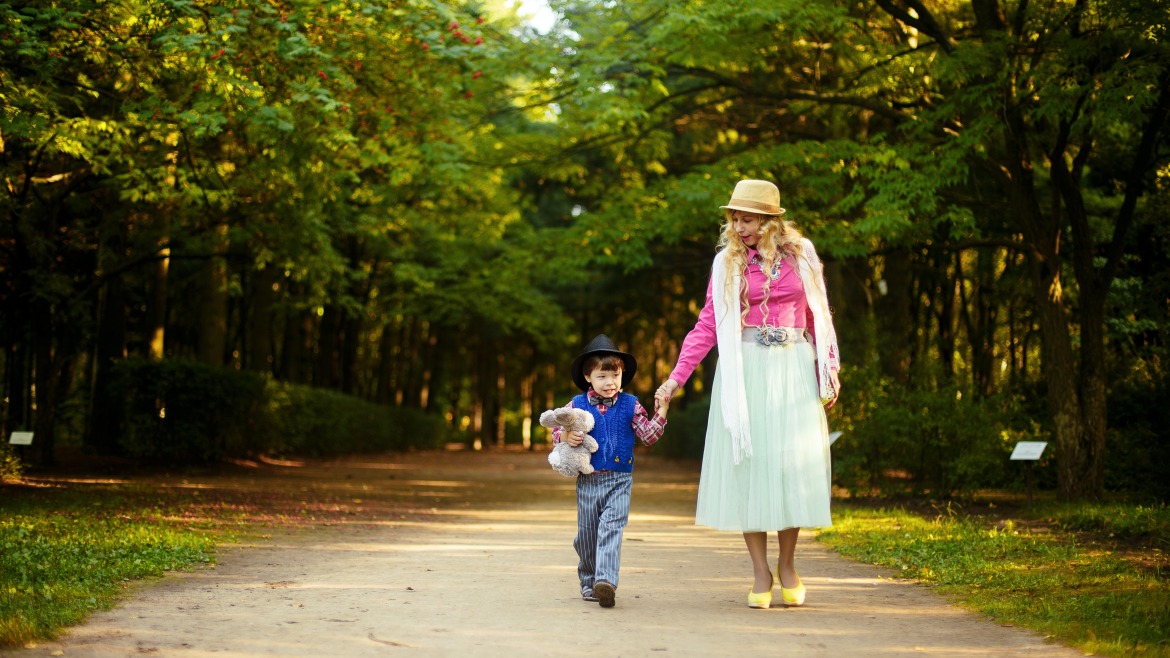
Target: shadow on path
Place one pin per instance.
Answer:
(486, 568)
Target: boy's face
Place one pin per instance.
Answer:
(605, 383)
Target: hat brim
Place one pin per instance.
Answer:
(755, 210)
(629, 367)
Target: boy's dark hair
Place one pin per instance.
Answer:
(609, 362)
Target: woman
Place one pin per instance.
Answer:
(766, 459)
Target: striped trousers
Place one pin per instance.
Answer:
(603, 509)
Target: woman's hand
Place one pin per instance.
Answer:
(834, 382)
(667, 390)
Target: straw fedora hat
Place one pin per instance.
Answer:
(602, 344)
(758, 196)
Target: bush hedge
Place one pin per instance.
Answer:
(941, 440)
(182, 412)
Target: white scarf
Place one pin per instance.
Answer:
(729, 330)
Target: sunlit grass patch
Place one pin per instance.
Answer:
(1080, 595)
(57, 568)
(68, 549)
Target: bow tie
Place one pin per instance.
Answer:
(595, 399)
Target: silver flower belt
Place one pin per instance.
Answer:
(774, 336)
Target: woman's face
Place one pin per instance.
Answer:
(747, 226)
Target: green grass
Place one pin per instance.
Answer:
(57, 567)
(68, 550)
(1076, 589)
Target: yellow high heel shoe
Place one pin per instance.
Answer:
(763, 600)
(793, 598)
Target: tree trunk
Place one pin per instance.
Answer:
(213, 306)
(944, 284)
(351, 339)
(156, 313)
(1090, 472)
(982, 329)
(46, 378)
(325, 374)
(431, 364)
(298, 337)
(527, 383)
(109, 348)
(383, 388)
(1058, 363)
(102, 429)
(413, 382)
(258, 351)
(16, 388)
(852, 304)
(1057, 357)
(501, 391)
(892, 310)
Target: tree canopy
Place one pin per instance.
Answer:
(432, 205)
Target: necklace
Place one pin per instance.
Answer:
(776, 269)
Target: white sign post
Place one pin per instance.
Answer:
(20, 439)
(1028, 452)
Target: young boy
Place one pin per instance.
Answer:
(603, 497)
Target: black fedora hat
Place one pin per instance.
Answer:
(601, 344)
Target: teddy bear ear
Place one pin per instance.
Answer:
(548, 419)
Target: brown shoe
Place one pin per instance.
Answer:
(604, 593)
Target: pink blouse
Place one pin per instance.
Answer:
(787, 307)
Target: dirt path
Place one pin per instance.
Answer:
(489, 570)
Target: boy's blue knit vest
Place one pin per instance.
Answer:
(614, 433)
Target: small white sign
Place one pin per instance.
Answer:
(833, 436)
(21, 439)
(1028, 450)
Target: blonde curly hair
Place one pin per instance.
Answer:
(777, 239)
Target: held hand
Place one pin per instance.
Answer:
(667, 390)
(835, 383)
(661, 403)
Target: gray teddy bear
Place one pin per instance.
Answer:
(565, 459)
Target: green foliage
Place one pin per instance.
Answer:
(1088, 598)
(936, 439)
(177, 412)
(180, 413)
(377, 161)
(1138, 422)
(10, 466)
(1126, 522)
(305, 421)
(57, 568)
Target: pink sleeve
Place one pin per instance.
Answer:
(697, 344)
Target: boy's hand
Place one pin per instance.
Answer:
(663, 395)
(573, 438)
(661, 403)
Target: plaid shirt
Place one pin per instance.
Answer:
(648, 429)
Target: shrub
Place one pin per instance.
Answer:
(313, 422)
(942, 440)
(1137, 434)
(10, 466)
(179, 412)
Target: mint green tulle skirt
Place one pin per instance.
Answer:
(786, 483)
